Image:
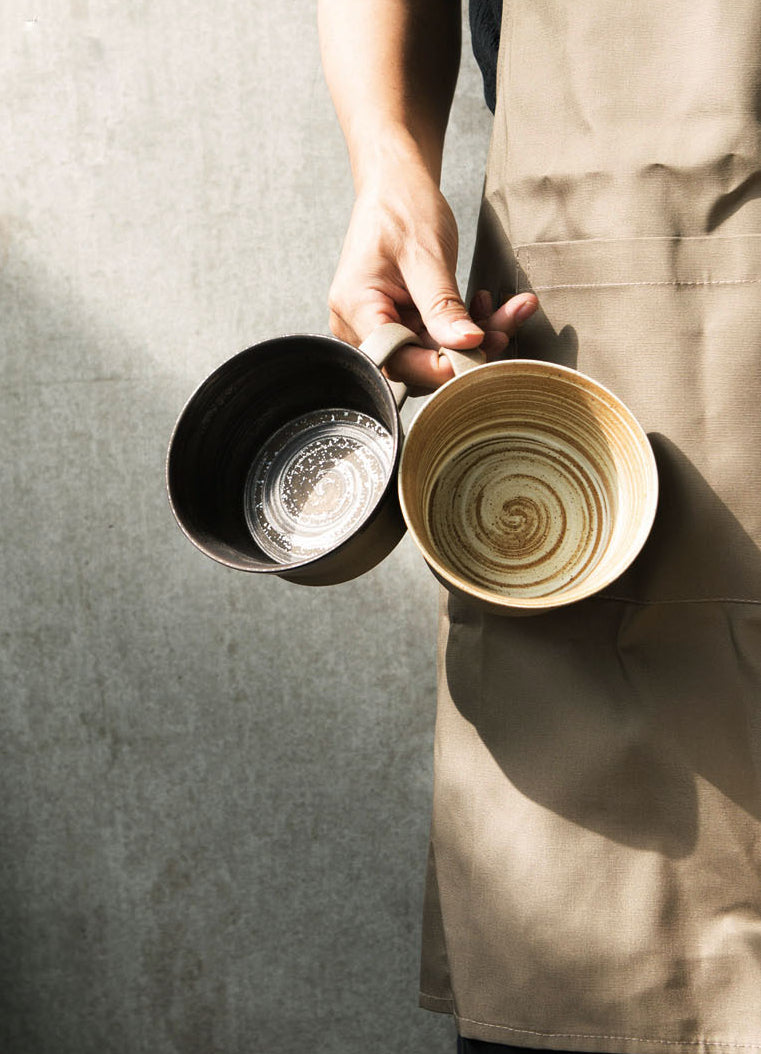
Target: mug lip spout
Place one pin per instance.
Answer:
(572, 594)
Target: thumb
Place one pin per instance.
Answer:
(433, 287)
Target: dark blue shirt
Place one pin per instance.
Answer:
(485, 20)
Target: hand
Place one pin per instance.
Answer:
(398, 265)
(423, 371)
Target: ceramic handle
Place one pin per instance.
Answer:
(386, 339)
(462, 361)
(381, 345)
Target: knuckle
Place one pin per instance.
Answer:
(340, 313)
(336, 325)
(336, 299)
(339, 328)
(446, 303)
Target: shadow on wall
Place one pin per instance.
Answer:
(103, 786)
(196, 780)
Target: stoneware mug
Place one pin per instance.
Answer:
(526, 485)
(284, 461)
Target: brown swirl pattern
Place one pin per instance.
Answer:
(519, 515)
(314, 481)
(527, 485)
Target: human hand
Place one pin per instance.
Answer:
(398, 265)
(429, 369)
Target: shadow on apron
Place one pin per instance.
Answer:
(595, 857)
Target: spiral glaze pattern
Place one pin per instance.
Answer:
(516, 515)
(527, 485)
(314, 481)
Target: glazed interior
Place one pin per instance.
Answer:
(528, 483)
(229, 424)
(314, 482)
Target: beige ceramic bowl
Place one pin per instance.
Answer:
(527, 485)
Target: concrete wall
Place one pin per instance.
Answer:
(214, 788)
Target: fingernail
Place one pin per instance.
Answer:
(525, 311)
(466, 328)
(481, 305)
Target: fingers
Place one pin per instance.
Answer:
(421, 369)
(513, 313)
(500, 325)
(448, 323)
(508, 317)
(398, 265)
(494, 345)
(424, 369)
(482, 307)
(434, 290)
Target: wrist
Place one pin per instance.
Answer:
(385, 154)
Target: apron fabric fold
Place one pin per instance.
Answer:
(594, 878)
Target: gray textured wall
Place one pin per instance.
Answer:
(215, 788)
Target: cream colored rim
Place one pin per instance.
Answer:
(538, 367)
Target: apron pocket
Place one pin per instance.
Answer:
(673, 327)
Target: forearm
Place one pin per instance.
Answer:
(391, 67)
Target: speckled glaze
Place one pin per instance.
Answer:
(314, 482)
(284, 459)
(527, 485)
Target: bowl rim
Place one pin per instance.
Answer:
(565, 374)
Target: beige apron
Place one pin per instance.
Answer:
(595, 865)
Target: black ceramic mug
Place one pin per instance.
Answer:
(284, 460)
